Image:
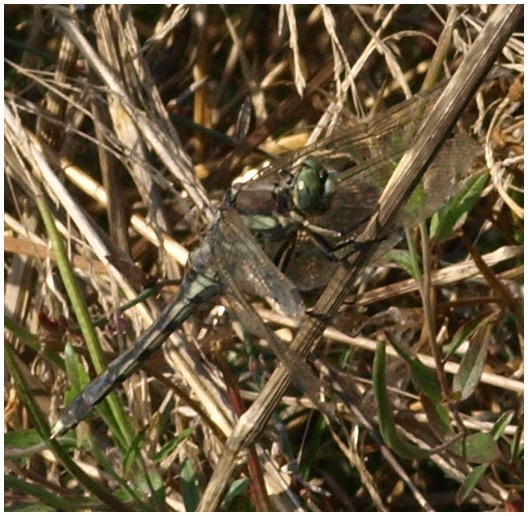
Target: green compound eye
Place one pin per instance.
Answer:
(309, 188)
(313, 187)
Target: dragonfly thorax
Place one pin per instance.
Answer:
(264, 207)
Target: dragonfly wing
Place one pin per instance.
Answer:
(239, 258)
(231, 227)
(360, 160)
(296, 365)
(363, 140)
(307, 265)
(452, 165)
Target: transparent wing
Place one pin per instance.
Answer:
(242, 265)
(240, 260)
(362, 142)
(361, 160)
(358, 189)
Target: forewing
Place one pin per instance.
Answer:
(360, 143)
(241, 260)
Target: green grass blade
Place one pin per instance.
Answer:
(42, 427)
(82, 315)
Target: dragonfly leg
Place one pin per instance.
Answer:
(319, 316)
(332, 251)
(352, 246)
(285, 252)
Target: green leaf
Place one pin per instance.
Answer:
(468, 375)
(236, 488)
(78, 377)
(151, 482)
(463, 334)
(172, 444)
(403, 259)
(437, 416)
(39, 492)
(385, 417)
(78, 380)
(470, 482)
(479, 447)
(424, 378)
(122, 428)
(128, 491)
(189, 487)
(313, 447)
(444, 220)
(22, 439)
(501, 424)
(31, 340)
(133, 453)
(30, 507)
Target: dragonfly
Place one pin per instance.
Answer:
(229, 261)
(326, 192)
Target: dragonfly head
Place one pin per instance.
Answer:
(313, 187)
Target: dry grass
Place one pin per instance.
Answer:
(107, 133)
